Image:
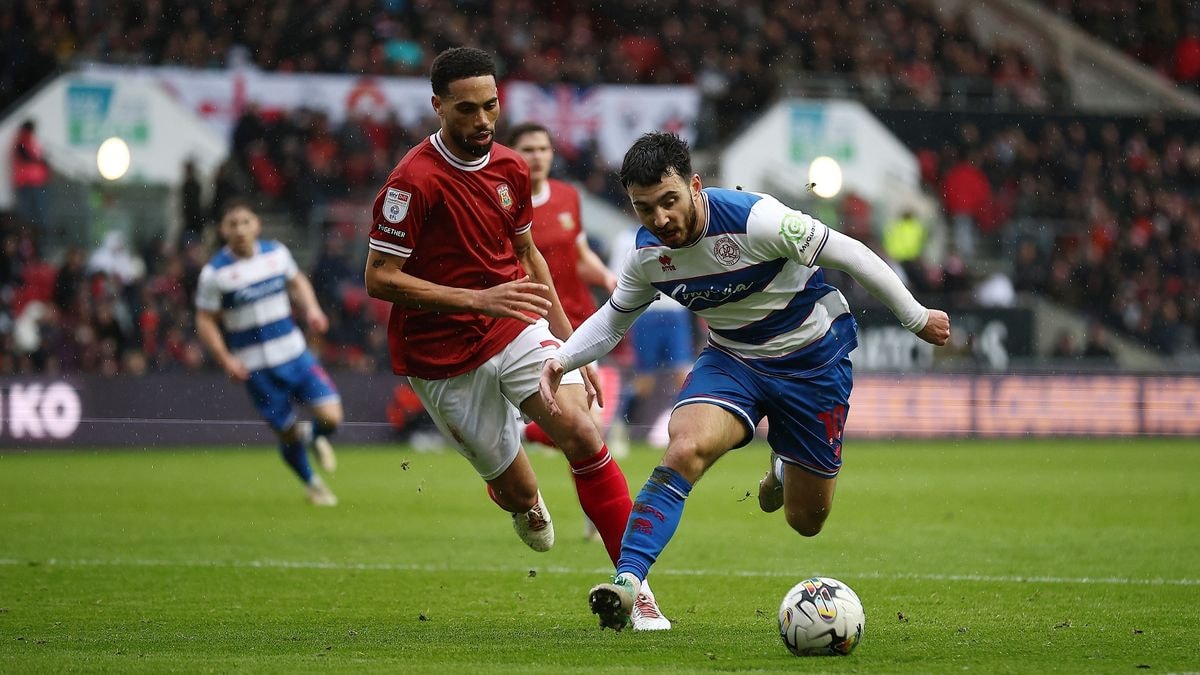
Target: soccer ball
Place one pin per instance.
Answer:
(821, 617)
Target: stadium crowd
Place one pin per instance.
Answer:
(1163, 35)
(116, 309)
(1098, 216)
(901, 52)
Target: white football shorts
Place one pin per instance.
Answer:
(480, 409)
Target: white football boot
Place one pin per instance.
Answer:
(646, 614)
(770, 488)
(613, 601)
(324, 451)
(320, 447)
(534, 527)
(319, 494)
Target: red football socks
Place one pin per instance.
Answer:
(535, 433)
(604, 496)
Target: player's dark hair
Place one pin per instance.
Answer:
(515, 133)
(653, 156)
(235, 203)
(459, 63)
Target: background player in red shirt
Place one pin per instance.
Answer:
(558, 234)
(451, 248)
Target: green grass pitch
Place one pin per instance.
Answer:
(1018, 556)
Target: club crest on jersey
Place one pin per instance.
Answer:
(565, 219)
(726, 251)
(505, 193)
(665, 261)
(395, 205)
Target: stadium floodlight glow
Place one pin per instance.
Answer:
(112, 159)
(825, 177)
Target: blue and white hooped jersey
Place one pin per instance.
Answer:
(753, 278)
(251, 294)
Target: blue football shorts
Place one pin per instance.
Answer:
(805, 416)
(302, 380)
(662, 340)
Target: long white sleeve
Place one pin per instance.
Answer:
(597, 336)
(853, 257)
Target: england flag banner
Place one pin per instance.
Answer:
(608, 117)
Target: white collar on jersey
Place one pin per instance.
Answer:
(542, 196)
(436, 140)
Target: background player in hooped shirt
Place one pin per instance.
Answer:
(451, 248)
(779, 345)
(244, 318)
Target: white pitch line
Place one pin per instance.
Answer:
(414, 567)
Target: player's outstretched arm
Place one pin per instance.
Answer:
(302, 293)
(210, 335)
(386, 280)
(845, 253)
(937, 328)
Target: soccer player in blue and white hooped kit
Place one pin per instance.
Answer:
(779, 345)
(244, 318)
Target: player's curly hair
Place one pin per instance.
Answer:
(458, 63)
(653, 156)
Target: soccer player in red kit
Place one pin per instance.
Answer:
(474, 311)
(558, 235)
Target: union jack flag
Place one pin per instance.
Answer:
(571, 113)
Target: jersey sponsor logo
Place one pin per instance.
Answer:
(727, 251)
(258, 291)
(391, 230)
(798, 230)
(667, 265)
(395, 205)
(709, 296)
(506, 199)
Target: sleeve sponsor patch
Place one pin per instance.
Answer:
(395, 205)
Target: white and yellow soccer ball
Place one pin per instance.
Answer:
(821, 617)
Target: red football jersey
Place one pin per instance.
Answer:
(557, 228)
(454, 221)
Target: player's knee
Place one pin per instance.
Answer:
(688, 456)
(576, 435)
(331, 417)
(807, 523)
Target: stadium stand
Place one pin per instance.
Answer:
(1097, 214)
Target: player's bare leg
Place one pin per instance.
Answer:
(516, 491)
(807, 499)
(601, 487)
(326, 418)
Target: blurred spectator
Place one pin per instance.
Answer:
(30, 176)
(996, 291)
(1187, 56)
(966, 196)
(1065, 346)
(1097, 345)
(904, 242)
(192, 211)
(68, 283)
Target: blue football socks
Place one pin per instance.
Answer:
(323, 429)
(655, 517)
(294, 455)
